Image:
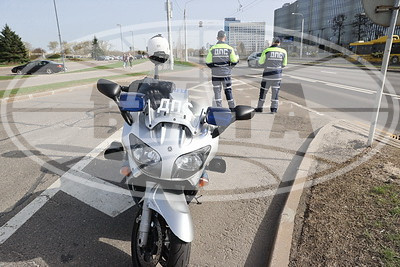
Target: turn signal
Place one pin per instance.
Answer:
(125, 171)
(203, 181)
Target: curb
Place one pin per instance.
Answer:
(283, 242)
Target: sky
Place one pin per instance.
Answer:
(34, 21)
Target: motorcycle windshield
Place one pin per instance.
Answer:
(175, 93)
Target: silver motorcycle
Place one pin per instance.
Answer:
(168, 144)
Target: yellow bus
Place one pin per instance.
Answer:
(372, 51)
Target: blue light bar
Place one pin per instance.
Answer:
(132, 102)
(219, 116)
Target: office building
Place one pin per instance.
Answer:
(227, 22)
(250, 34)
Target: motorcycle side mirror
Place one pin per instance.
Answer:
(132, 102)
(244, 113)
(217, 164)
(219, 116)
(114, 152)
(109, 89)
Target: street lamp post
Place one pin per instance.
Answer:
(133, 44)
(302, 32)
(169, 16)
(185, 26)
(59, 35)
(120, 31)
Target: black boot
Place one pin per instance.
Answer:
(258, 110)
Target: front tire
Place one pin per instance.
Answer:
(49, 71)
(162, 245)
(19, 72)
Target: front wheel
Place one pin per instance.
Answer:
(49, 71)
(162, 245)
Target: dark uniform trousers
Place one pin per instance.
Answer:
(226, 83)
(265, 85)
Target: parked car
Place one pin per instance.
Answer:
(38, 66)
(139, 56)
(252, 60)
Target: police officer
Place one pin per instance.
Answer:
(274, 60)
(221, 59)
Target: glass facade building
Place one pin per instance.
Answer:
(318, 17)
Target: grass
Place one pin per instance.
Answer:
(114, 65)
(391, 257)
(387, 197)
(3, 78)
(53, 86)
(104, 67)
(184, 63)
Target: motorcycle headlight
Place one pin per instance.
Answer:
(147, 159)
(190, 163)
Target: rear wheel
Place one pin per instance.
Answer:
(49, 71)
(162, 247)
(395, 60)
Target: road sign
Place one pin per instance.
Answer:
(380, 11)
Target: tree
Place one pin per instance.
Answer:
(105, 46)
(67, 48)
(12, 49)
(96, 50)
(53, 45)
(361, 26)
(82, 48)
(338, 26)
(241, 49)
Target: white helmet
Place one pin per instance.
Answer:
(158, 49)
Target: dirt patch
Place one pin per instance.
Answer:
(354, 219)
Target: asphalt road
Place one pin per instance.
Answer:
(49, 215)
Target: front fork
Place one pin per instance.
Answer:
(145, 221)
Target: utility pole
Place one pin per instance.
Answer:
(302, 32)
(385, 64)
(59, 35)
(133, 44)
(120, 31)
(169, 16)
(185, 26)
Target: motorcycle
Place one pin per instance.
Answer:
(168, 144)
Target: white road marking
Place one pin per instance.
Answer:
(302, 79)
(343, 86)
(329, 72)
(65, 182)
(252, 87)
(351, 88)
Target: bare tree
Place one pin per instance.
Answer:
(53, 45)
(338, 26)
(361, 26)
